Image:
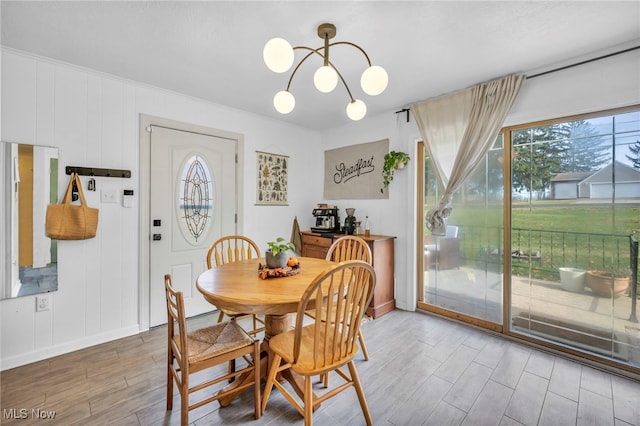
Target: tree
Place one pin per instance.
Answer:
(539, 153)
(587, 149)
(635, 158)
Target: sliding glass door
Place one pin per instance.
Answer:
(462, 271)
(575, 190)
(542, 240)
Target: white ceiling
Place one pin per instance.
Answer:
(213, 49)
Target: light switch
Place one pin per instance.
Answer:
(108, 195)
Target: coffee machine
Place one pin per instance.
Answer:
(350, 222)
(327, 220)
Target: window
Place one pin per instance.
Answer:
(527, 265)
(195, 199)
(575, 191)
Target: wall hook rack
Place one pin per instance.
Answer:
(98, 172)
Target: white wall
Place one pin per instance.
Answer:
(93, 119)
(609, 83)
(396, 215)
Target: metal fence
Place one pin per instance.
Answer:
(540, 253)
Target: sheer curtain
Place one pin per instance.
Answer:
(458, 130)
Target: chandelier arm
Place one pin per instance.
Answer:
(354, 45)
(316, 51)
(312, 51)
(343, 82)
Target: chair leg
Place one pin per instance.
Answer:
(184, 399)
(308, 401)
(325, 379)
(257, 403)
(360, 392)
(271, 378)
(169, 383)
(220, 316)
(232, 362)
(365, 352)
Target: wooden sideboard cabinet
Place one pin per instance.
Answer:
(382, 249)
(315, 245)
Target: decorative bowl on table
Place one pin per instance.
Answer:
(292, 268)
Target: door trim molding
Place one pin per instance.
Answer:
(146, 121)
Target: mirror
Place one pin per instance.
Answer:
(28, 183)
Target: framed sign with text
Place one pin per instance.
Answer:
(355, 172)
(272, 184)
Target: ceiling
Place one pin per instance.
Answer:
(213, 50)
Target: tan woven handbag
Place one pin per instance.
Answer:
(68, 221)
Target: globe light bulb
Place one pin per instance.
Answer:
(325, 79)
(374, 80)
(356, 110)
(278, 55)
(284, 102)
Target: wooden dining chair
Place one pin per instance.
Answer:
(233, 248)
(190, 352)
(349, 247)
(339, 296)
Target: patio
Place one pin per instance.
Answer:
(581, 320)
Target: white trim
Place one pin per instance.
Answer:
(51, 351)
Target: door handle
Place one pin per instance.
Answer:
(157, 237)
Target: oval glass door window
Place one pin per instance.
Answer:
(195, 199)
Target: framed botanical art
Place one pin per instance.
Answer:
(272, 182)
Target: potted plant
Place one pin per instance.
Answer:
(393, 161)
(277, 256)
(606, 283)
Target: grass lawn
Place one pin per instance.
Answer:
(587, 236)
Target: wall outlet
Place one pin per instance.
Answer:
(42, 303)
(108, 196)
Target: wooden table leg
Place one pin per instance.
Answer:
(273, 324)
(276, 324)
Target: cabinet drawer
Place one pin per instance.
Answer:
(316, 241)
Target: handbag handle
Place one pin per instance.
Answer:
(75, 178)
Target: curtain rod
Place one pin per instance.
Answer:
(584, 62)
(558, 69)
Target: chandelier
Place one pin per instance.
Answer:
(278, 55)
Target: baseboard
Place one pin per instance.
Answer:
(49, 352)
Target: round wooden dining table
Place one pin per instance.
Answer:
(237, 287)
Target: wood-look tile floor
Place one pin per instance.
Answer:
(422, 370)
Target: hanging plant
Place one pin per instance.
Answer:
(393, 161)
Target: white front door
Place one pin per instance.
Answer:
(192, 203)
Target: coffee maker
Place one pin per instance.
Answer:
(350, 222)
(327, 220)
